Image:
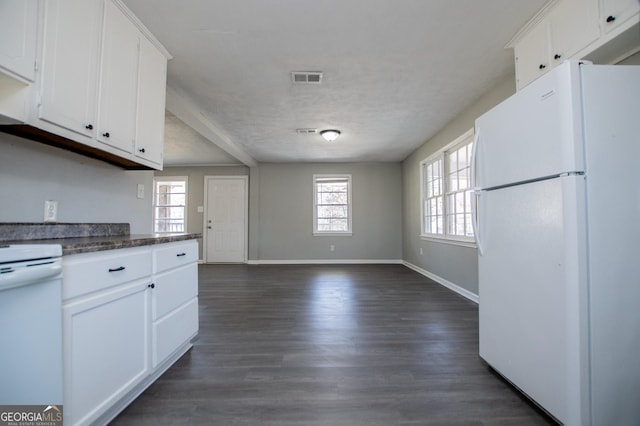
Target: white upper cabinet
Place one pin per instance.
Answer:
(70, 64)
(101, 83)
(532, 54)
(18, 35)
(614, 13)
(570, 29)
(152, 83)
(573, 25)
(118, 80)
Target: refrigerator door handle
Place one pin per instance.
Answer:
(474, 152)
(475, 193)
(475, 198)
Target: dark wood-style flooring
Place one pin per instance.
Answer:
(330, 345)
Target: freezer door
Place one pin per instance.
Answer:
(535, 133)
(529, 290)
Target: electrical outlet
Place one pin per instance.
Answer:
(420, 251)
(332, 248)
(140, 191)
(50, 211)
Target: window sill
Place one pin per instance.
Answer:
(452, 241)
(332, 234)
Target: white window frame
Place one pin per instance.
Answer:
(443, 154)
(349, 231)
(157, 179)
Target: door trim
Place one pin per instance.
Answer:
(245, 180)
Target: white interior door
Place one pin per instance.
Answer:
(225, 226)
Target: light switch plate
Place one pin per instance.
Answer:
(200, 209)
(140, 190)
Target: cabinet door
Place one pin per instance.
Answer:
(532, 54)
(70, 63)
(174, 288)
(615, 12)
(18, 31)
(152, 86)
(573, 26)
(118, 80)
(105, 350)
(174, 330)
(174, 309)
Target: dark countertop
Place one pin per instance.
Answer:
(92, 244)
(84, 237)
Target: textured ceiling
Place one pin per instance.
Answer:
(184, 146)
(395, 71)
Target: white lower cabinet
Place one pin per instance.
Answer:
(106, 351)
(124, 324)
(174, 298)
(173, 329)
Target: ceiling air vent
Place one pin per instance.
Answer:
(306, 77)
(307, 131)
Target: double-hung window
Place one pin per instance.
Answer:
(170, 204)
(331, 204)
(446, 192)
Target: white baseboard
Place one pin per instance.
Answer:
(327, 262)
(448, 284)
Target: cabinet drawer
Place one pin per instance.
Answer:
(174, 288)
(88, 272)
(172, 255)
(174, 330)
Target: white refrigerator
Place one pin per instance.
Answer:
(557, 211)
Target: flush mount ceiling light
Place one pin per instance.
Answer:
(330, 135)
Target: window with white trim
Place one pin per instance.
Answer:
(446, 191)
(331, 204)
(170, 204)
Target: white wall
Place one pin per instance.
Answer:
(285, 203)
(631, 60)
(87, 190)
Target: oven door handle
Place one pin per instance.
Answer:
(28, 273)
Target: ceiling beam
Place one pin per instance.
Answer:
(179, 105)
